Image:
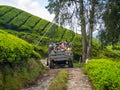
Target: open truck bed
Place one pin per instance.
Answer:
(60, 57)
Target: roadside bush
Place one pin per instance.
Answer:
(104, 74)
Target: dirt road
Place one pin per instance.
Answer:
(77, 79)
(43, 81)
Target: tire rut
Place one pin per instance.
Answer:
(44, 80)
(78, 80)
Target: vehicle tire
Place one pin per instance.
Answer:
(51, 65)
(70, 63)
(47, 62)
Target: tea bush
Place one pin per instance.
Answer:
(30, 23)
(104, 74)
(8, 16)
(14, 49)
(4, 9)
(21, 18)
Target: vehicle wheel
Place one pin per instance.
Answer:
(70, 64)
(51, 65)
(47, 62)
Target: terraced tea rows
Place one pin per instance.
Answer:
(18, 20)
(31, 28)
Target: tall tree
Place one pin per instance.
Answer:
(83, 31)
(111, 18)
(91, 27)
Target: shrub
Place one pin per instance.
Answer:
(68, 35)
(77, 45)
(14, 49)
(8, 16)
(104, 74)
(21, 18)
(40, 26)
(30, 23)
(4, 9)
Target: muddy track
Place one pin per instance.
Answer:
(77, 79)
(43, 81)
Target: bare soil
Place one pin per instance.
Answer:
(43, 81)
(78, 80)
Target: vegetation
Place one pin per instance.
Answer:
(60, 82)
(12, 50)
(104, 14)
(104, 74)
(9, 16)
(31, 28)
(30, 23)
(21, 18)
(4, 9)
(19, 62)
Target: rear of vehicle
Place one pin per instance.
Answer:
(60, 57)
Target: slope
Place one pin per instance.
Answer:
(19, 63)
(31, 28)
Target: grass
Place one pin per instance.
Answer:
(79, 65)
(60, 82)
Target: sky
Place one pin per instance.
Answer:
(35, 7)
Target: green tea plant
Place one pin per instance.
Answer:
(68, 35)
(8, 16)
(4, 9)
(29, 25)
(14, 49)
(39, 27)
(104, 74)
(19, 20)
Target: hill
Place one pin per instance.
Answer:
(31, 28)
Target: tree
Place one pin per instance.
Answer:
(111, 18)
(68, 10)
(83, 31)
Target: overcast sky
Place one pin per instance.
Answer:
(36, 7)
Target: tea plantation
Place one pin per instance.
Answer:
(19, 63)
(31, 28)
(20, 51)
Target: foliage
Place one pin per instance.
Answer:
(14, 49)
(21, 18)
(19, 75)
(77, 45)
(8, 16)
(68, 35)
(60, 82)
(30, 23)
(4, 9)
(41, 25)
(31, 28)
(104, 74)
(111, 17)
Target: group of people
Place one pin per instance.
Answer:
(64, 45)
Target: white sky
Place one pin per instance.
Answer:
(35, 7)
